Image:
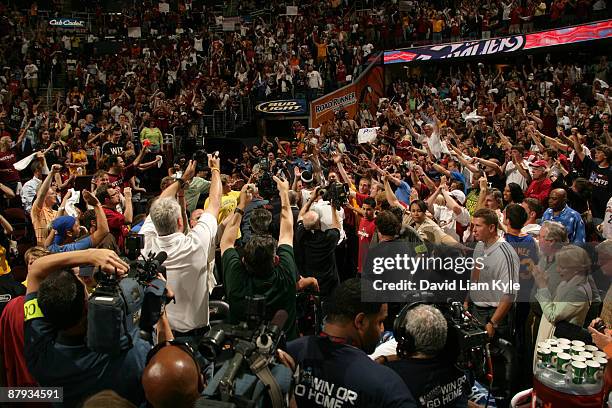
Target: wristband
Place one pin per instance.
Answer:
(182, 182)
(495, 325)
(215, 168)
(239, 211)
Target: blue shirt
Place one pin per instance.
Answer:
(81, 244)
(571, 220)
(55, 360)
(403, 192)
(344, 376)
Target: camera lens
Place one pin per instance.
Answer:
(211, 344)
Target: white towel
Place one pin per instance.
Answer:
(25, 162)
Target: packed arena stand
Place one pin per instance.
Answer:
(130, 256)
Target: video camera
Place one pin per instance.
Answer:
(336, 193)
(466, 339)
(247, 353)
(266, 184)
(118, 310)
(466, 336)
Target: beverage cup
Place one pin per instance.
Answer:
(592, 372)
(563, 359)
(578, 371)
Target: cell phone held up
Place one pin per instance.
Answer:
(600, 326)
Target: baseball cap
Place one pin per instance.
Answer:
(306, 176)
(62, 225)
(458, 195)
(539, 163)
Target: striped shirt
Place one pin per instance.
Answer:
(500, 271)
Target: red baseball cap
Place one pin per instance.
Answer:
(539, 163)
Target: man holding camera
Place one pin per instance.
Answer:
(266, 268)
(56, 327)
(316, 248)
(188, 263)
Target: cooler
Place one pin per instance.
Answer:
(554, 390)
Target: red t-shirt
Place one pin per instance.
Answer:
(12, 343)
(122, 180)
(7, 171)
(365, 234)
(539, 189)
(116, 225)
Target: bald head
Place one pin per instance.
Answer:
(171, 379)
(311, 220)
(557, 199)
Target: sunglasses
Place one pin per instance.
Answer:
(177, 343)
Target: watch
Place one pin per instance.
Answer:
(182, 182)
(495, 325)
(239, 211)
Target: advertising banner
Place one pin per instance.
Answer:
(67, 23)
(283, 107)
(367, 89)
(513, 43)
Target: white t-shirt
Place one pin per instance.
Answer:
(324, 209)
(188, 269)
(31, 71)
(515, 176)
(314, 80)
(447, 219)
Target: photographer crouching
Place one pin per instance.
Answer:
(57, 326)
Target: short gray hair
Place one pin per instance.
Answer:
(428, 327)
(555, 231)
(164, 214)
(310, 219)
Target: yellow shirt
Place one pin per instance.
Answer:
(229, 202)
(4, 266)
(41, 218)
(437, 25)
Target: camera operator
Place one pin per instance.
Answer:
(336, 370)
(316, 248)
(267, 268)
(188, 263)
(56, 327)
(431, 377)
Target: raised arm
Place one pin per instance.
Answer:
(390, 195)
(44, 187)
(484, 190)
(490, 164)
(101, 222)
(215, 192)
(108, 260)
(578, 148)
(128, 212)
(313, 197)
(286, 223)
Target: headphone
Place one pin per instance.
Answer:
(405, 341)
